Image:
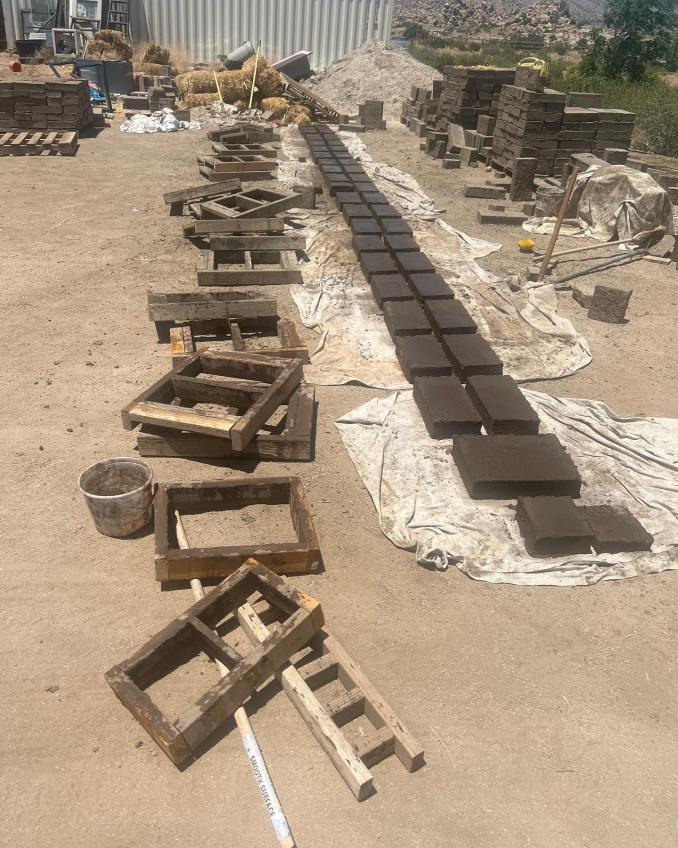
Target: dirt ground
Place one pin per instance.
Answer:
(549, 717)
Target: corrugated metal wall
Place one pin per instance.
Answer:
(205, 28)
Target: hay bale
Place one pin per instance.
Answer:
(298, 115)
(269, 82)
(155, 54)
(191, 100)
(149, 68)
(109, 44)
(277, 106)
(202, 82)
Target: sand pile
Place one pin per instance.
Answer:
(375, 71)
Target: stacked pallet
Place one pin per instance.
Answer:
(53, 105)
(528, 126)
(468, 93)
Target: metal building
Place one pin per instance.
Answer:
(205, 28)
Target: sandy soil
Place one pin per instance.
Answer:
(548, 716)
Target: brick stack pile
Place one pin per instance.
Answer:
(588, 128)
(457, 378)
(421, 109)
(528, 127)
(470, 92)
(55, 105)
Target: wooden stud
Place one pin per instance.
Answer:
(197, 193)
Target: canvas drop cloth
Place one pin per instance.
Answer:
(612, 202)
(422, 503)
(524, 327)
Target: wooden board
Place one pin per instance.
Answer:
(172, 562)
(199, 192)
(230, 149)
(254, 271)
(180, 738)
(254, 203)
(239, 225)
(257, 242)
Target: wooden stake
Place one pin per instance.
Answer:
(254, 76)
(249, 740)
(559, 222)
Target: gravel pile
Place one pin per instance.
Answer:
(375, 71)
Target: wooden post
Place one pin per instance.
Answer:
(559, 222)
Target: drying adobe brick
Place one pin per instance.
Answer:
(405, 318)
(377, 263)
(502, 405)
(390, 287)
(430, 287)
(615, 530)
(395, 226)
(515, 466)
(609, 304)
(470, 354)
(368, 244)
(421, 356)
(445, 407)
(365, 226)
(449, 316)
(553, 527)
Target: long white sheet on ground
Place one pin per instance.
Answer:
(523, 327)
(422, 503)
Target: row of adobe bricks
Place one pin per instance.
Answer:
(457, 378)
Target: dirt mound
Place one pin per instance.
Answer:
(375, 71)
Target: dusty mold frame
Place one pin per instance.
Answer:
(172, 562)
(194, 630)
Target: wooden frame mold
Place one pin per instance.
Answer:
(248, 268)
(289, 441)
(292, 345)
(176, 200)
(257, 385)
(175, 563)
(253, 203)
(193, 630)
(209, 312)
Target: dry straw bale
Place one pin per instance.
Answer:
(155, 54)
(298, 115)
(202, 82)
(109, 44)
(277, 106)
(268, 81)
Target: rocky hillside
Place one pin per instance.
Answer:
(440, 16)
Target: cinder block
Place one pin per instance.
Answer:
(444, 407)
(405, 318)
(449, 316)
(502, 405)
(470, 354)
(615, 530)
(515, 466)
(553, 527)
(422, 356)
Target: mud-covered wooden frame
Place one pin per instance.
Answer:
(194, 628)
(175, 563)
(263, 384)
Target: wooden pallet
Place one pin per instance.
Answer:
(299, 93)
(289, 441)
(248, 268)
(323, 662)
(292, 346)
(38, 143)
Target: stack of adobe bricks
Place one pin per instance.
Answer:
(468, 93)
(52, 105)
(421, 109)
(457, 378)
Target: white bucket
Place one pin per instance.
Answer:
(119, 494)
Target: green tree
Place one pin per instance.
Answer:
(641, 35)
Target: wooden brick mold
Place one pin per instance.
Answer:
(179, 738)
(256, 384)
(292, 557)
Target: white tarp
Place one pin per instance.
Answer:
(612, 202)
(422, 503)
(523, 327)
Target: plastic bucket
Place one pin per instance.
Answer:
(119, 494)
